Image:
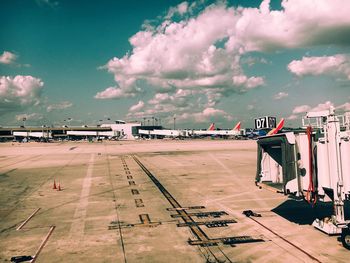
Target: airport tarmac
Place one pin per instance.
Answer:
(150, 201)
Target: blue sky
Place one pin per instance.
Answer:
(200, 61)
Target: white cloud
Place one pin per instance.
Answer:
(59, 106)
(29, 117)
(184, 55)
(114, 93)
(292, 27)
(248, 83)
(334, 65)
(280, 95)
(19, 92)
(7, 58)
(301, 109)
(322, 106)
(137, 106)
(344, 107)
(188, 53)
(207, 115)
(180, 9)
(204, 53)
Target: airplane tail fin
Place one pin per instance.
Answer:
(237, 127)
(278, 128)
(211, 127)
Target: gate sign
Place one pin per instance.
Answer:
(265, 123)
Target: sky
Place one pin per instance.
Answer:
(77, 62)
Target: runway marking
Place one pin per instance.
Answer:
(237, 180)
(42, 244)
(26, 221)
(131, 182)
(230, 196)
(172, 161)
(78, 224)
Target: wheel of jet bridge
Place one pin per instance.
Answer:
(345, 238)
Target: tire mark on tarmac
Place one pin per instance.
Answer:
(36, 188)
(20, 161)
(77, 228)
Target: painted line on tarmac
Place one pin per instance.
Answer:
(26, 221)
(52, 228)
(172, 161)
(78, 224)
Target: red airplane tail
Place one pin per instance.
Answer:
(211, 127)
(237, 127)
(278, 128)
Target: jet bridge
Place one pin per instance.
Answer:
(313, 164)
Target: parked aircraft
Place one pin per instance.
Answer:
(235, 131)
(211, 131)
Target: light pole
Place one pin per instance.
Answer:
(174, 122)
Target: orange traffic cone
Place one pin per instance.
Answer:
(54, 184)
(59, 187)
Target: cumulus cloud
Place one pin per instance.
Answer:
(333, 65)
(183, 55)
(19, 92)
(7, 58)
(205, 51)
(292, 27)
(280, 95)
(59, 106)
(137, 106)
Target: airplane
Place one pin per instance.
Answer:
(235, 131)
